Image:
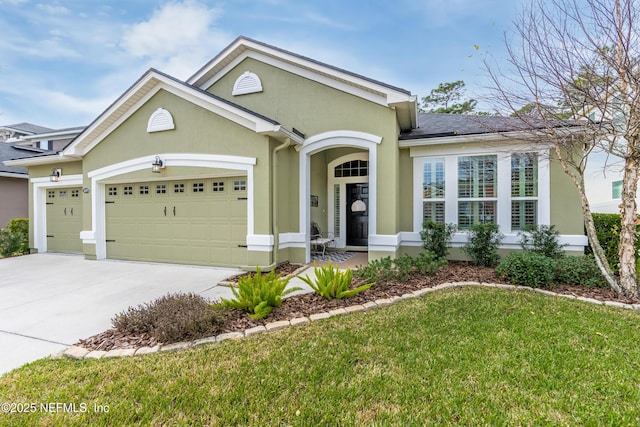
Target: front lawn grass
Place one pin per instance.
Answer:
(461, 356)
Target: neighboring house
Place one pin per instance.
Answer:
(53, 140)
(232, 166)
(14, 183)
(603, 182)
(13, 133)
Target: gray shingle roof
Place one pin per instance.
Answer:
(435, 125)
(12, 151)
(28, 128)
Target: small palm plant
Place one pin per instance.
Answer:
(333, 283)
(259, 295)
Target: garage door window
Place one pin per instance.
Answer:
(218, 186)
(198, 187)
(144, 189)
(63, 194)
(178, 188)
(112, 191)
(75, 193)
(51, 194)
(127, 190)
(161, 189)
(240, 185)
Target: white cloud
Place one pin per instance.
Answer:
(178, 38)
(53, 9)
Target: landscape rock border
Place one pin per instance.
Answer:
(79, 353)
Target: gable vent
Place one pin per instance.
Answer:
(248, 82)
(160, 120)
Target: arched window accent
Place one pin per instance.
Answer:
(352, 168)
(160, 120)
(248, 82)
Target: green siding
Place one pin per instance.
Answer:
(313, 108)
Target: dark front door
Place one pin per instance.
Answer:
(358, 214)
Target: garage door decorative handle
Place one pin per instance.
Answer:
(65, 211)
(165, 211)
(174, 211)
(71, 211)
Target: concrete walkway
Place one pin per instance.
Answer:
(50, 301)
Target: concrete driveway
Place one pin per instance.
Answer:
(49, 301)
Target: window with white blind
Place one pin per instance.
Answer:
(524, 190)
(509, 188)
(477, 190)
(433, 190)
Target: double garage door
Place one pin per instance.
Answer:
(199, 221)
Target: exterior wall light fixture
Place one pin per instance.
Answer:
(55, 175)
(157, 165)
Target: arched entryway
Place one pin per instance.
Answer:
(368, 144)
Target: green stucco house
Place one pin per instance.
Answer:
(231, 167)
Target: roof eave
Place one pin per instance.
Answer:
(41, 160)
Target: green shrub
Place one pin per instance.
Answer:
(579, 270)
(379, 270)
(542, 240)
(428, 262)
(403, 267)
(386, 269)
(14, 239)
(172, 318)
(482, 247)
(527, 268)
(436, 237)
(333, 283)
(258, 295)
(608, 232)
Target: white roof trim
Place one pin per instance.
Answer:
(43, 160)
(144, 89)
(243, 48)
(39, 136)
(14, 175)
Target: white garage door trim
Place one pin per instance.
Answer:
(40, 186)
(98, 222)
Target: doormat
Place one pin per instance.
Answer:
(332, 256)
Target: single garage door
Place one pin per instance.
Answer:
(64, 220)
(199, 221)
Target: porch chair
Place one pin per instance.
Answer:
(320, 241)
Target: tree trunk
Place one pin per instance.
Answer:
(598, 253)
(628, 221)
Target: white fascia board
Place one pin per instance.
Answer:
(282, 131)
(327, 76)
(218, 107)
(57, 135)
(14, 175)
(44, 160)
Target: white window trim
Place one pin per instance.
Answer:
(503, 212)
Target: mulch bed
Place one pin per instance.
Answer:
(283, 269)
(310, 303)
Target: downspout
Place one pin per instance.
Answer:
(274, 200)
(274, 211)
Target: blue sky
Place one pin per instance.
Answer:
(63, 62)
